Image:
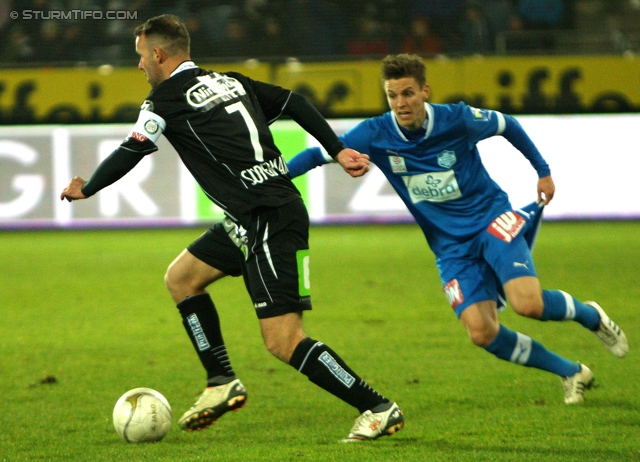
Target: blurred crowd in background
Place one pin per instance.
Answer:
(316, 29)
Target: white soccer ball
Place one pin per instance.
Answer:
(142, 414)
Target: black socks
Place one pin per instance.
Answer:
(314, 359)
(327, 370)
(201, 321)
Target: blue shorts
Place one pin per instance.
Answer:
(482, 265)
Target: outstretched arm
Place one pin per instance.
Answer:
(353, 162)
(307, 160)
(109, 171)
(516, 135)
(73, 191)
(138, 144)
(308, 117)
(546, 189)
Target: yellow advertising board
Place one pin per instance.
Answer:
(337, 89)
(539, 85)
(85, 94)
(521, 85)
(530, 85)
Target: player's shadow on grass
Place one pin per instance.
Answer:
(504, 450)
(626, 405)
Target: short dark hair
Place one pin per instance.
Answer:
(170, 29)
(404, 65)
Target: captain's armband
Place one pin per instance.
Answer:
(148, 127)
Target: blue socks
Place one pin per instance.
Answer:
(560, 306)
(520, 349)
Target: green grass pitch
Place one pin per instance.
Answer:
(89, 308)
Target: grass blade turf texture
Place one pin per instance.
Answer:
(85, 317)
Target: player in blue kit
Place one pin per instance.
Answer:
(428, 153)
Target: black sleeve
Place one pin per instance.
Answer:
(308, 117)
(114, 167)
(276, 101)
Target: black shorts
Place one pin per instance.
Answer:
(272, 256)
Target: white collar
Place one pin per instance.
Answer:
(429, 120)
(427, 124)
(183, 67)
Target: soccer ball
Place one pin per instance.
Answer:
(142, 414)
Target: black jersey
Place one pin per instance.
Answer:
(219, 125)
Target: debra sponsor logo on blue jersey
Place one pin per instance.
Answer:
(433, 187)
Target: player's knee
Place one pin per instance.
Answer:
(481, 322)
(173, 289)
(278, 349)
(528, 306)
(482, 333)
(170, 279)
(177, 283)
(283, 344)
(525, 296)
(481, 337)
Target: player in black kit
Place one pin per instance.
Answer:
(219, 125)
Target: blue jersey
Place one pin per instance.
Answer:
(440, 176)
